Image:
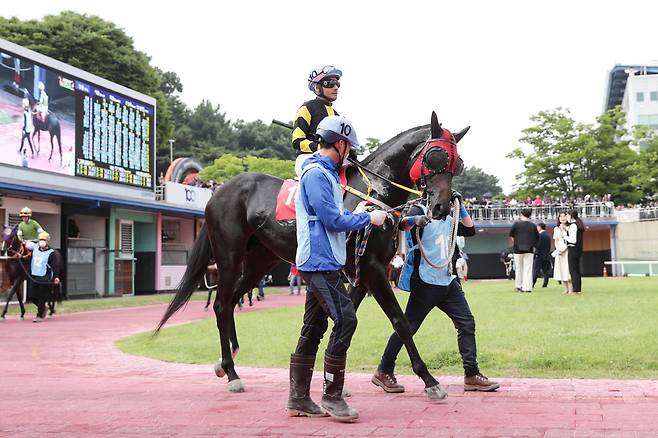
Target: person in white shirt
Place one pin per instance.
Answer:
(561, 268)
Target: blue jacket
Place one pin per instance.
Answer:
(316, 193)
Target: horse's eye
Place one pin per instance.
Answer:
(436, 159)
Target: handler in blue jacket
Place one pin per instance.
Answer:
(321, 252)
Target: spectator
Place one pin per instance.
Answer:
(561, 269)
(524, 236)
(542, 256)
(575, 248)
(294, 279)
(538, 202)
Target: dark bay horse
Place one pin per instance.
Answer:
(242, 234)
(18, 268)
(51, 125)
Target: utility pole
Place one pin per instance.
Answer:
(171, 150)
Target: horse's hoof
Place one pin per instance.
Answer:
(2, 318)
(235, 386)
(436, 393)
(219, 371)
(21, 317)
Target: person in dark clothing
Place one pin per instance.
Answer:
(542, 256)
(432, 287)
(321, 253)
(45, 273)
(525, 236)
(575, 236)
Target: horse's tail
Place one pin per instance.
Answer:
(196, 268)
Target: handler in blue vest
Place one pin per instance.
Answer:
(45, 273)
(321, 225)
(432, 287)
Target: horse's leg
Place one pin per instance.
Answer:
(52, 147)
(385, 297)
(59, 143)
(37, 134)
(257, 263)
(357, 294)
(11, 294)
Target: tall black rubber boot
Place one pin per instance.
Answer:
(334, 379)
(299, 399)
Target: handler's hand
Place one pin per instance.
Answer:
(377, 217)
(422, 221)
(361, 207)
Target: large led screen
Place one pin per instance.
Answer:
(52, 121)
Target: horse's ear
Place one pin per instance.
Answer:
(460, 134)
(436, 126)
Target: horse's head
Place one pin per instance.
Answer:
(10, 244)
(433, 165)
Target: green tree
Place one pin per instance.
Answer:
(97, 46)
(228, 165)
(576, 159)
(474, 183)
(263, 140)
(645, 169)
(371, 145)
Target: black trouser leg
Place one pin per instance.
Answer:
(40, 297)
(546, 270)
(327, 297)
(574, 267)
(422, 300)
(454, 305)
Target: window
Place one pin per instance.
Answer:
(654, 96)
(640, 96)
(650, 120)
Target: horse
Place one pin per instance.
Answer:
(247, 241)
(51, 124)
(18, 268)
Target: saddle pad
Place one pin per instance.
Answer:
(285, 200)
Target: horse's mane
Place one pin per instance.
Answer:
(413, 136)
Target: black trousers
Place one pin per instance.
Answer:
(542, 267)
(26, 135)
(451, 301)
(40, 294)
(574, 255)
(326, 297)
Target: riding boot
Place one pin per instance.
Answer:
(334, 380)
(299, 399)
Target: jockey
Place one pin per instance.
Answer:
(324, 82)
(43, 102)
(29, 229)
(44, 270)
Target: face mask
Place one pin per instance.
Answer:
(42, 244)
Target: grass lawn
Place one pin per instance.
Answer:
(611, 331)
(127, 301)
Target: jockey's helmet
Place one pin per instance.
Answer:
(334, 128)
(26, 103)
(44, 236)
(321, 72)
(25, 212)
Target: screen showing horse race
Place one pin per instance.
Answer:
(52, 121)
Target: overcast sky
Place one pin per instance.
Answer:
(488, 64)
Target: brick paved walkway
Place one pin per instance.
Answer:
(64, 378)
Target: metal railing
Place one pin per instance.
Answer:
(649, 214)
(594, 210)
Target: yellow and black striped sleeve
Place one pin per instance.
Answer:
(307, 119)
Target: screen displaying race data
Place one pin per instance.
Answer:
(94, 131)
(113, 137)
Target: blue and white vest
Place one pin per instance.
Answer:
(336, 240)
(40, 262)
(435, 239)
